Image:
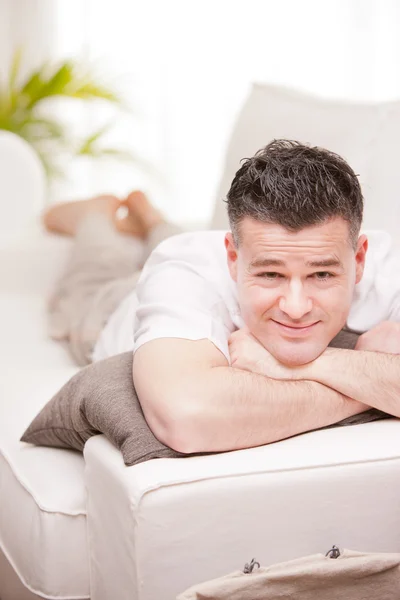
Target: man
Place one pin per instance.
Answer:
(231, 344)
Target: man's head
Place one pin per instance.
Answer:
(294, 251)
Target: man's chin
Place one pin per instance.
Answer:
(295, 355)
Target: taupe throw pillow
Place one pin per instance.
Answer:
(101, 398)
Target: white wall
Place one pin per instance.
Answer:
(28, 24)
(186, 67)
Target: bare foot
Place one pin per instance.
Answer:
(64, 218)
(142, 215)
(130, 224)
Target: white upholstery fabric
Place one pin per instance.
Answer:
(42, 492)
(11, 586)
(189, 520)
(43, 499)
(366, 135)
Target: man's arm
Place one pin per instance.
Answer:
(369, 377)
(194, 402)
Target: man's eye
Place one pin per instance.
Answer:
(323, 275)
(270, 275)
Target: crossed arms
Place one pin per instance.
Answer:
(195, 402)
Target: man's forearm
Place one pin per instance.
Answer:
(369, 377)
(244, 409)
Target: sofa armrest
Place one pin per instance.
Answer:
(30, 258)
(22, 185)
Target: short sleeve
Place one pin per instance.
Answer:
(377, 295)
(179, 297)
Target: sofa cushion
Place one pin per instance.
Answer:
(365, 134)
(202, 517)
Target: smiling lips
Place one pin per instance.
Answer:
(295, 329)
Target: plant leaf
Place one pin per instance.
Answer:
(91, 147)
(9, 91)
(13, 75)
(49, 136)
(64, 81)
(88, 146)
(110, 153)
(87, 89)
(43, 85)
(59, 81)
(33, 90)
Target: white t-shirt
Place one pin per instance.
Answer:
(185, 291)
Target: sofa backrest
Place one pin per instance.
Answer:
(366, 135)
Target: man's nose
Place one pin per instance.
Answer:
(294, 301)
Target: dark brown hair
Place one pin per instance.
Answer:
(295, 185)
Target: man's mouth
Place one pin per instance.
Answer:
(295, 329)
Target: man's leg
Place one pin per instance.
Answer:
(104, 265)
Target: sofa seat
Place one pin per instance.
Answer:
(42, 490)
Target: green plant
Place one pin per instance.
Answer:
(25, 105)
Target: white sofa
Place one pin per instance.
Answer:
(74, 527)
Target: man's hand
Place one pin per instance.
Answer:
(369, 377)
(385, 337)
(248, 354)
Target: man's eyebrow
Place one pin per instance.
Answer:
(266, 262)
(273, 262)
(327, 262)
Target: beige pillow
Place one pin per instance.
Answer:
(100, 398)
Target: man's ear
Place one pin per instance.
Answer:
(232, 255)
(362, 247)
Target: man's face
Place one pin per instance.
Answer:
(295, 289)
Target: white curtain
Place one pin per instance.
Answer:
(185, 66)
